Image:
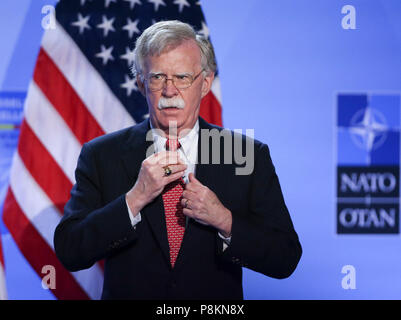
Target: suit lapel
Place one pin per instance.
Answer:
(136, 148)
(205, 172)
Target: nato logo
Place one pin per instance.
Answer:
(368, 163)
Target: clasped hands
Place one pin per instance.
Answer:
(198, 201)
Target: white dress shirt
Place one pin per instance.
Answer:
(188, 153)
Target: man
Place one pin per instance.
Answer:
(168, 225)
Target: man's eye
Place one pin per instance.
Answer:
(157, 76)
(182, 77)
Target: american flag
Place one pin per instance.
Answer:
(81, 88)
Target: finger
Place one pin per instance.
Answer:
(162, 154)
(171, 157)
(154, 158)
(189, 195)
(167, 154)
(188, 212)
(194, 180)
(157, 171)
(184, 202)
(178, 168)
(173, 168)
(172, 177)
(190, 204)
(193, 187)
(158, 154)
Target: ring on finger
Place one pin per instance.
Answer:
(167, 171)
(186, 203)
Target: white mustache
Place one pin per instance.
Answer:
(176, 102)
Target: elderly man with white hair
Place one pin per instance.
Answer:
(170, 222)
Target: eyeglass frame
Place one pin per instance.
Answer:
(172, 80)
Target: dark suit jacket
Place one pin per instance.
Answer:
(96, 225)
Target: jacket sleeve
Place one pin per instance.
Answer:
(91, 230)
(263, 238)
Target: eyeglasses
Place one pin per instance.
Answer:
(157, 81)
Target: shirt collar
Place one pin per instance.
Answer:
(186, 141)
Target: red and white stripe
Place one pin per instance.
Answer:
(94, 94)
(3, 289)
(210, 108)
(60, 114)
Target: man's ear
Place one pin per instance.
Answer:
(207, 83)
(141, 85)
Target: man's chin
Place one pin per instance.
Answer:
(170, 118)
(171, 114)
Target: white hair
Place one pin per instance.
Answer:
(166, 35)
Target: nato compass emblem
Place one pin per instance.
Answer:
(368, 129)
(368, 163)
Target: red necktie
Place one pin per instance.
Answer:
(175, 219)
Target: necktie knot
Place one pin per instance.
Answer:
(172, 145)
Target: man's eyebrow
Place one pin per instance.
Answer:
(155, 72)
(183, 74)
(175, 74)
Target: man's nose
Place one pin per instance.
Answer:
(169, 89)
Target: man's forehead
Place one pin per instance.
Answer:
(184, 43)
(186, 53)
